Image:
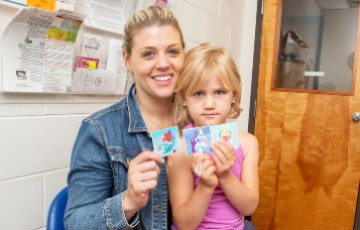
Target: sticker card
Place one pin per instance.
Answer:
(166, 141)
(197, 140)
(227, 132)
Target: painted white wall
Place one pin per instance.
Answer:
(37, 131)
(246, 52)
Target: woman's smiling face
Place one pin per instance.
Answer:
(156, 60)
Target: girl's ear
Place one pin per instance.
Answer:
(126, 59)
(184, 102)
(234, 97)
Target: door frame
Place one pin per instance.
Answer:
(256, 65)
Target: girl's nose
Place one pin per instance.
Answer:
(209, 102)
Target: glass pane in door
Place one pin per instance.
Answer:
(317, 45)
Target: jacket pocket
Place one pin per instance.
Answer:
(119, 163)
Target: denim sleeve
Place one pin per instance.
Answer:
(91, 204)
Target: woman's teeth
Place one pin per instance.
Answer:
(162, 78)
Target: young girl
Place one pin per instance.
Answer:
(212, 191)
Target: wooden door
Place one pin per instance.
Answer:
(309, 164)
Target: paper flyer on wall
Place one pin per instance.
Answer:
(65, 5)
(37, 51)
(116, 63)
(89, 54)
(21, 3)
(112, 15)
(50, 5)
(108, 15)
(96, 81)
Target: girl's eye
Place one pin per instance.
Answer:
(220, 92)
(198, 93)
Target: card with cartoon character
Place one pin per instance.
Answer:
(166, 141)
(197, 140)
(227, 132)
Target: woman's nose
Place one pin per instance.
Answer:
(162, 62)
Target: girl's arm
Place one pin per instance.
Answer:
(188, 205)
(244, 194)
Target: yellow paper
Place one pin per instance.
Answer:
(43, 4)
(92, 65)
(57, 34)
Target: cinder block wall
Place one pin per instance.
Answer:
(37, 131)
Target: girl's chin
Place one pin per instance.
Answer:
(209, 123)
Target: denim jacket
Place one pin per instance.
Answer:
(106, 142)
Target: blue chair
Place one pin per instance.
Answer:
(57, 210)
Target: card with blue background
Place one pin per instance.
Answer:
(227, 132)
(166, 141)
(197, 140)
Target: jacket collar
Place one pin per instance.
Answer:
(136, 123)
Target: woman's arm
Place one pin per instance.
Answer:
(91, 204)
(244, 194)
(188, 205)
(90, 182)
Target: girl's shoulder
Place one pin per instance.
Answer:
(246, 137)
(248, 142)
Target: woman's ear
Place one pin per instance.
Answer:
(126, 59)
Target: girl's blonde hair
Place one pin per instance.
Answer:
(153, 15)
(201, 63)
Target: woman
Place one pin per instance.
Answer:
(115, 180)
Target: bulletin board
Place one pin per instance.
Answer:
(67, 46)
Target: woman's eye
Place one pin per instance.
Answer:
(173, 51)
(148, 54)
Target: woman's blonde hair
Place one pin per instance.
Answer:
(153, 15)
(201, 63)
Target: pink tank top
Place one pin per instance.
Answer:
(220, 213)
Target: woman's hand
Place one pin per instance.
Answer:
(204, 168)
(224, 156)
(142, 176)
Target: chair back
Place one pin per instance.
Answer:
(57, 210)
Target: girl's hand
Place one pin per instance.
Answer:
(142, 176)
(204, 168)
(224, 156)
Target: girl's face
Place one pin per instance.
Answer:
(209, 104)
(156, 61)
